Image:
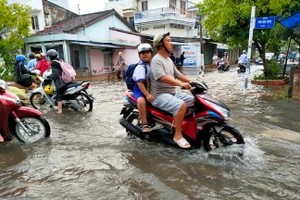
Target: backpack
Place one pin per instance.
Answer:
(129, 72)
(68, 72)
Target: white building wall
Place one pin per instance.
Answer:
(37, 9)
(100, 31)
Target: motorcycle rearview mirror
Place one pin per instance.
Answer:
(3, 85)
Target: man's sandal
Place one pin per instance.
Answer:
(145, 128)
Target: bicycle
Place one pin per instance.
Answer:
(114, 75)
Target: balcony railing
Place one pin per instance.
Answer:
(165, 15)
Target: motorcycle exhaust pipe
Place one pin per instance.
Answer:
(131, 128)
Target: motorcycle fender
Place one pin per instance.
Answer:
(38, 90)
(126, 110)
(26, 112)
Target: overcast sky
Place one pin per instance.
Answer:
(87, 6)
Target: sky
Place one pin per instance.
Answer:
(87, 6)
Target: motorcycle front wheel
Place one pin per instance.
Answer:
(85, 102)
(226, 136)
(39, 101)
(36, 129)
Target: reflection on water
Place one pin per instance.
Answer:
(88, 156)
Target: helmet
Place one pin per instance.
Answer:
(158, 38)
(144, 47)
(43, 55)
(52, 53)
(31, 55)
(38, 56)
(244, 51)
(49, 89)
(20, 57)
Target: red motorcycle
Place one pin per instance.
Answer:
(204, 124)
(27, 124)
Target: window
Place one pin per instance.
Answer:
(172, 4)
(182, 7)
(75, 58)
(159, 27)
(178, 26)
(144, 5)
(35, 23)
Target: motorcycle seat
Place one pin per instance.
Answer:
(74, 84)
(132, 100)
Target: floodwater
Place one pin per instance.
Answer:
(88, 156)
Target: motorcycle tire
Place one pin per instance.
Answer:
(38, 129)
(38, 101)
(229, 136)
(85, 101)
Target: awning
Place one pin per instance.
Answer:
(97, 45)
(291, 22)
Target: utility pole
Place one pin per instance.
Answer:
(252, 22)
(202, 66)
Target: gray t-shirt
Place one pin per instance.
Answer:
(161, 66)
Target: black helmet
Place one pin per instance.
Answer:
(52, 53)
(31, 55)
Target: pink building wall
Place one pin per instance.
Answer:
(130, 54)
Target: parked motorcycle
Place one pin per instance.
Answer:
(27, 124)
(241, 67)
(75, 97)
(205, 123)
(222, 67)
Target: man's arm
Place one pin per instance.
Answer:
(182, 81)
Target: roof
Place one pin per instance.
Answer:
(74, 24)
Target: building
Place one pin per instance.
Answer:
(180, 17)
(40, 12)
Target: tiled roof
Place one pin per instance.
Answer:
(74, 24)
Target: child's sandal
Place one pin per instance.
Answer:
(145, 128)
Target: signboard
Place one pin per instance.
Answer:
(190, 52)
(264, 22)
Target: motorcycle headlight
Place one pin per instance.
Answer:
(223, 111)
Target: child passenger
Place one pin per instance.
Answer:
(141, 76)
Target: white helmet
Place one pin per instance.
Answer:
(244, 51)
(144, 47)
(158, 38)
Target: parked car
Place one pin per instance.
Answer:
(258, 61)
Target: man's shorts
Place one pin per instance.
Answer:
(172, 103)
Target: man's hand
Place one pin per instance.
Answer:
(149, 98)
(186, 85)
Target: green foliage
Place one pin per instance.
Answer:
(228, 21)
(272, 73)
(14, 26)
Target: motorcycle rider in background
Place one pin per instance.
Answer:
(243, 61)
(60, 85)
(20, 69)
(164, 80)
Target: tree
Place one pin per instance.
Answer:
(228, 21)
(15, 22)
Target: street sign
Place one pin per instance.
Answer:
(264, 22)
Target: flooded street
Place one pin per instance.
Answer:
(88, 156)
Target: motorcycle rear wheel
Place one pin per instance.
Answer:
(85, 102)
(39, 101)
(229, 136)
(38, 128)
